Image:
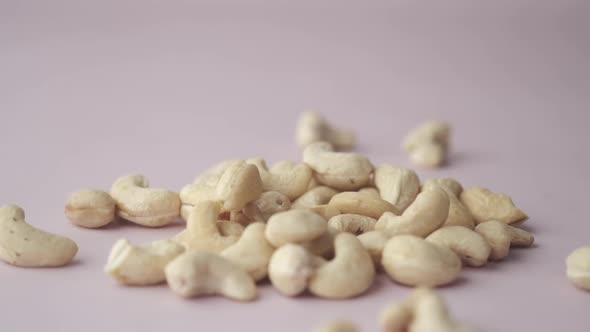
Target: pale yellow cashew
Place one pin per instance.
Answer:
(285, 177)
(428, 144)
(311, 127)
(364, 204)
(449, 184)
(578, 267)
(291, 267)
(294, 226)
(486, 205)
(269, 203)
(398, 186)
(252, 252)
(239, 185)
(501, 237)
(326, 211)
(317, 196)
(459, 215)
(373, 192)
(191, 194)
(470, 246)
(374, 242)
(90, 208)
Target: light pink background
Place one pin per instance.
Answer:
(90, 91)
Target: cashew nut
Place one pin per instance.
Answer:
(363, 204)
(428, 155)
(252, 252)
(578, 267)
(337, 326)
(239, 185)
(449, 184)
(142, 205)
(229, 228)
(431, 314)
(374, 242)
(426, 214)
(486, 205)
(373, 192)
(294, 226)
(311, 127)
(290, 268)
(428, 144)
(352, 223)
(141, 265)
(398, 186)
(340, 170)
(324, 245)
(470, 246)
(397, 317)
(413, 261)
(459, 215)
(90, 208)
(317, 196)
(191, 194)
(501, 236)
(269, 203)
(349, 274)
(24, 245)
(198, 272)
(326, 211)
(285, 177)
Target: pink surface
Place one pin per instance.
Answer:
(89, 92)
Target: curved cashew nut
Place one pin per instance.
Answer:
(426, 214)
(374, 242)
(198, 272)
(337, 326)
(397, 317)
(486, 205)
(398, 186)
(294, 226)
(349, 274)
(413, 261)
(239, 185)
(142, 205)
(252, 252)
(578, 267)
(141, 265)
(342, 171)
(24, 245)
(470, 246)
(352, 223)
(285, 177)
(449, 184)
(317, 196)
(364, 204)
(290, 268)
(459, 215)
(501, 236)
(269, 203)
(311, 127)
(90, 208)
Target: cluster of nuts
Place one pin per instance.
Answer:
(327, 225)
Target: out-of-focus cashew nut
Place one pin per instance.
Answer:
(294, 226)
(428, 144)
(426, 214)
(431, 314)
(398, 186)
(397, 317)
(285, 177)
(141, 265)
(239, 185)
(198, 272)
(352, 223)
(363, 204)
(90, 208)
(229, 228)
(269, 203)
(349, 274)
(142, 205)
(374, 242)
(449, 184)
(428, 155)
(413, 261)
(501, 236)
(486, 205)
(317, 196)
(339, 170)
(252, 252)
(326, 211)
(202, 229)
(312, 127)
(578, 267)
(290, 268)
(24, 245)
(470, 246)
(324, 245)
(337, 326)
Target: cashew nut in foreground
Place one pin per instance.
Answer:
(349, 274)
(459, 215)
(364, 204)
(239, 185)
(578, 267)
(142, 205)
(316, 196)
(398, 186)
(428, 144)
(90, 208)
(426, 214)
(198, 272)
(290, 268)
(486, 205)
(374, 242)
(141, 265)
(339, 170)
(413, 261)
(252, 252)
(192, 194)
(352, 223)
(24, 245)
(285, 177)
(501, 237)
(266, 205)
(312, 127)
(470, 246)
(294, 226)
(337, 326)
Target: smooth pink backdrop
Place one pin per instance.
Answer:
(91, 90)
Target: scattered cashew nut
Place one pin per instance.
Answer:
(252, 252)
(90, 208)
(364, 204)
(428, 144)
(470, 246)
(486, 205)
(578, 267)
(501, 237)
(398, 186)
(311, 127)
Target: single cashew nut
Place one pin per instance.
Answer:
(501, 236)
(311, 127)
(449, 184)
(428, 144)
(363, 204)
(429, 155)
(294, 226)
(90, 208)
(413, 261)
(486, 205)
(203, 230)
(290, 268)
(239, 185)
(269, 203)
(337, 326)
(198, 272)
(470, 246)
(398, 186)
(339, 170)
(374, 242)
(141, 265)
(578, 267)
(317, 196)
(352, 223)
(142, 205)
(426, 214)
(24, 245)
(252, 252)
(285, 177)
(349, 274)
(431, 314)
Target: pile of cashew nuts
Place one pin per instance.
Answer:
(325, 226)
